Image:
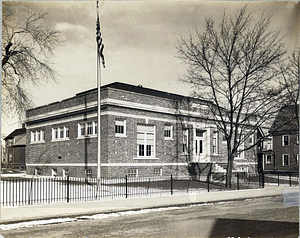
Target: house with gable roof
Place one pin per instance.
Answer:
(281, 150)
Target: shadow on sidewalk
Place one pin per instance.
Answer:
(250, 228)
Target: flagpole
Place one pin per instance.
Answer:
(99, 98)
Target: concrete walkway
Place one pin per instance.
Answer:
(60, 210)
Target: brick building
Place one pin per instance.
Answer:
(144, 132)
(281, 150)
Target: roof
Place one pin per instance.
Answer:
(136, 89)
(20, 140)
(131, 88)
(15, 133)
(286, 121)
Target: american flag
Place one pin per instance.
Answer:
(99, 39)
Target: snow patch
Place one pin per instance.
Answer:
(35, 223)
(126, 213)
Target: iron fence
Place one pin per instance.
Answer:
(29, 191)
(281, 178)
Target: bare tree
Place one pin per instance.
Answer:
(233, 66)
(289, 82)
(287, 120)
(26, 51)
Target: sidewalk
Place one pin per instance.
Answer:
(60, 210)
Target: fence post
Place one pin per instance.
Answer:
(68, 189)
(238, 182)
(171, 184)
(30, 193)
(126, 183)
(208, 177)
(278, 178)
(290, 179)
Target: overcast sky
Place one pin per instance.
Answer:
(139, 39)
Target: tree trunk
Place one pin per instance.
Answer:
(229, 170)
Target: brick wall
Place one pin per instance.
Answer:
(114, 149)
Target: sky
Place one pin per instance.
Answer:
(139, 39)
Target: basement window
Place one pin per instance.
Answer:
(157, 171)
(132, 173)
(37, 171)
(88, 172)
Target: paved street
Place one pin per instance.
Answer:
(258, 217)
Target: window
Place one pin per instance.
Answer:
(146, 140)
(215, 143)
(141, 150)
(65, 172)
(238, 153)
(286, 160)
(199, 147)
(132, 173)
(54, 172)
(224, 139)
(120, 127)
(199, 133)
(37, 136)
(87, 129)
(55, 131)
(285, 140)
(95, 128)
(37, 171)
(81, 129)
(157, 171)
(240, 149)
(67, 132)
(268, 159)
(199, 142)
(88, 172)
(297, 158)
(185, 141)
(251, 140)
(269, 144)
(9, 142)
(10, 157)
(168, 132)
(60, 133)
